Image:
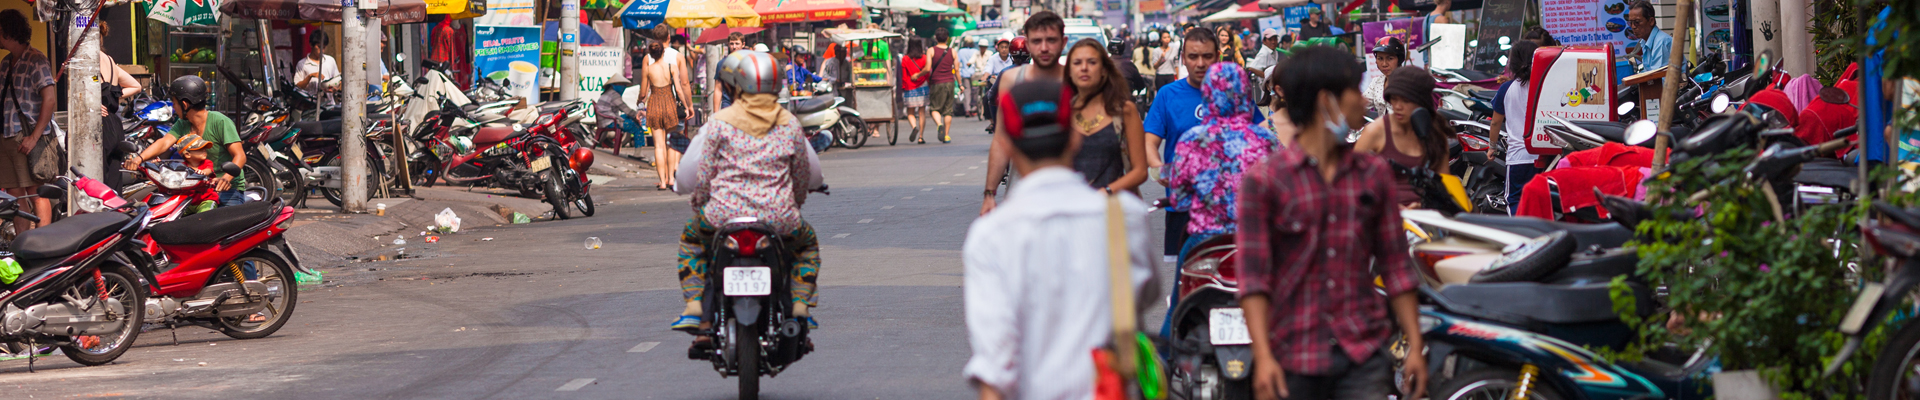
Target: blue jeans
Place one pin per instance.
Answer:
(1173, 296)
(1517, 178)
(232, 197)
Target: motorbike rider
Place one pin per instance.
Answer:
(190, 99)
(611, 112)
(751, 160)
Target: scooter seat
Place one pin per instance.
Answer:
(490, 135)
(328, 128)
(1606, 235)
(551, 106)
(1539, 302)
(1827, 172)
(1613, 131)
(812, 104)
(1483, 94)
(212, 226)
(54, 242)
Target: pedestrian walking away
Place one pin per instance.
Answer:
(1320, 211)
(1038, 268)
(942, 97)
(1046, 36)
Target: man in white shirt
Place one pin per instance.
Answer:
(1270, 39)
(1037, 298)
(314, 70)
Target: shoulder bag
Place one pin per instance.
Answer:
(46, 160)
(1129, 368)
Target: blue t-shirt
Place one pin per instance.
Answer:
(1177, 107)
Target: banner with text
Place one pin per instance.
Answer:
(1586, 22)
(603, 59)
(509, 54)
(1576, 85)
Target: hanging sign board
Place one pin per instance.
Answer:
(1576, 85)
(509, 53)
(1586, 22)
(1500, 19)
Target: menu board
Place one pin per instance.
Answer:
(1587, 22)
(1500, 18)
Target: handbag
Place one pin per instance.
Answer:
(1129, 367)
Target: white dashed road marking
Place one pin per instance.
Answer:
(866, 220)
(843, 235)
(575, 385)
(643, 347)
(887, 208)
(974, 167)
(926, 190)
(907, 198)
(962, 174)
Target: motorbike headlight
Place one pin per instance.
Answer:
(90, 204)
(175, 180)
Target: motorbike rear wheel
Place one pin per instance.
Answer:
(292, 184)
(854, 131)
(338, 196)
(1489, 384)
(748, 342)
(119, 283)
(259, 173)
(281, 296)
(1894, 368)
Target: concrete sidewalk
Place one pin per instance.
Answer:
(326, 237)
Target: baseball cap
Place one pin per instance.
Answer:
(1038, 104)
(1270, 32)
(194, 143)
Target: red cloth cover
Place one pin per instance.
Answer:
(1576, 189)
(1773, 97)
(1612, 155)
(1821, 119)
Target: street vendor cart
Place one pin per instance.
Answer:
(873, 77)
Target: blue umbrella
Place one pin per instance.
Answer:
(588, 36)
(643, 14)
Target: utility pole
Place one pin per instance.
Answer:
(569, 49)
(1681, 20)
(1796, 47)
(83, 95)
(353, 110)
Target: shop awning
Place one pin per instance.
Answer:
(720, 33)
(780, 11)
(390, 11)
(457, 9)
(1245, 12)
(1292, 3)
(919, 7)
(643, 14)
(847, 35)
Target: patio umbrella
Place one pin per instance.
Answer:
(457, 9)
(183, 12)
(643, 14)
(1249, 11)
(390, 11)
(716, 35)
(778, 11)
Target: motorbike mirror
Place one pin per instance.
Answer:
(400, 57)
(52, 191)
(1422, 120)
(230, 168)
(1720, 103)
(1641, 132)
(1625, 108)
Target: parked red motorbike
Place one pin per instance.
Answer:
(216, 269)
(77, 288)
(507, 158)
(1209, 344)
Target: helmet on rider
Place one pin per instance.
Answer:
(751, 72)
(189, 90)
(1019, 46)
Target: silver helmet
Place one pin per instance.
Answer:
(751, 72)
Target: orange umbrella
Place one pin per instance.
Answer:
(778, 11)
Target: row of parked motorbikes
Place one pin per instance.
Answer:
(481, 138)
(1515, 305)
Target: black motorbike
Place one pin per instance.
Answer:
(753, 330)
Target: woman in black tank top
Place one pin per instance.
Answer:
(1112, 152)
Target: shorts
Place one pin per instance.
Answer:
(15, 171)
(917, 97)
(942, 97)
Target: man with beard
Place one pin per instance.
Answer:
(1045, 37)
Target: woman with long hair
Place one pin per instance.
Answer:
(1113, 154)
(1230, 46)
(914, 75)
(1408, 89)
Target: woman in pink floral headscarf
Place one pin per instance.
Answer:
(1206, 174)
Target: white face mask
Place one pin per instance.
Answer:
(1337, 126)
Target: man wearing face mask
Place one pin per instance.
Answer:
(1315, 220)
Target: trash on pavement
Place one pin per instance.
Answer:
(303, 278)
(519, 218)
(593, 243)
(380, 209)
(433, 239)
(446, 218)
(399, 241)
(486, 239)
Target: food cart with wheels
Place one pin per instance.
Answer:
(873, 77)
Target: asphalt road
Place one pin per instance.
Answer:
(525, 311)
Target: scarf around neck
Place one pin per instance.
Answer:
(754, 114)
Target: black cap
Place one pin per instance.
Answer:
(1038, 107)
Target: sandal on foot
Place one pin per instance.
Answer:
(687, 323)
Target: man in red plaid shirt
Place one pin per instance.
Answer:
(1316, 222)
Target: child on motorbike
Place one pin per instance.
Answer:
(194, 150)
(750, 160)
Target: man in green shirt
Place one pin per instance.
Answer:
(190, 103)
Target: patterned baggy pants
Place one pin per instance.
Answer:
(693, 263)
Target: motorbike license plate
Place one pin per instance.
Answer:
(1228, 326)
(749, 281)
(540, 164)
(1857, 317)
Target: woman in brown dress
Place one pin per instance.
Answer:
(663, 80)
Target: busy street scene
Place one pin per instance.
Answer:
(960, 199)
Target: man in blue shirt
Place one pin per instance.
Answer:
(1176, 108)
(1655, 45)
